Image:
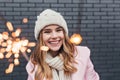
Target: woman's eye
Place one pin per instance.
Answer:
(46, 32)
(58, 30)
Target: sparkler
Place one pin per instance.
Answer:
(11, 44)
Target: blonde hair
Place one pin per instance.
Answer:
(38, 58)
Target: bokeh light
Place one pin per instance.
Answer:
(76, 39)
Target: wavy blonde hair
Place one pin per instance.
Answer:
(38, 58)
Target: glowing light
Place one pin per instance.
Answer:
(28, 50)
(8, 55)
(16, 55)
(23, 49)
(9, 41)
(1, 36)
(17, 32)
(16, 61)
(13, 34)
(76, 39)
(24, 42)
(9, 26)
(8, 48)
(44, 48)
(1, 56)
(31, 44)
(5, 35)
(4, 44)
(2, 50)
(10, 68)
(25, 20)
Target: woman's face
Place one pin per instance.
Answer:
(53, 36)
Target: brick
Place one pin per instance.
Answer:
(28, 13)
(35, 1)
(93, 1)
(93, 9)
(12, 13)
(100, 13)
(50, 1)
(1, 4)
(58, 5)
(5, 0)
(101, 21)
(35, 9)
(71, 21)
(78, 1)
(117, 24)
(99, 5)
(87, 21)
(117, 1)
(76, 9)
(114, 21)
(46, 5)
(93, 26)
(93, 17)
(71, 13)
(94, 34)
(12, 4)
(107, 26)
(87, 13)
(20, 1)
(72, 5)
(20, 9)
(108, 1)
(113, 13)
(65, 9)
(107, 9)
(88, 5)
(64, 1)
(116, 9)
(5, 9)
(113, 5)
(107, 17)
(27, 5)
(8, 17)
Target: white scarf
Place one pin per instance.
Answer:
(57, 68)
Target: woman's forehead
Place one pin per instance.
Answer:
(52, 26)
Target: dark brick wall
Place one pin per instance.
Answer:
(96, 20)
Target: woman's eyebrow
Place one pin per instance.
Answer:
(46, 29)
(59, 28)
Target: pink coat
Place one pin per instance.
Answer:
(85, 68)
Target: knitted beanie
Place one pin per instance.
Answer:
(48, 17)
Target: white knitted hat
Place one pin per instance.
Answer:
(48, 17)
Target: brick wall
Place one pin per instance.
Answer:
(96, 20)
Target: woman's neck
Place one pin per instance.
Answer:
(53, 53)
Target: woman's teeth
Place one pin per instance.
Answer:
(54, 42)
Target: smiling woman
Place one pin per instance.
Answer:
(63, 60)
(53, 38)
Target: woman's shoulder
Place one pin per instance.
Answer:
(30, 67)
(82, 51)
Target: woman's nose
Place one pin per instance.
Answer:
(54, 35)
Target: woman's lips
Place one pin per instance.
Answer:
(54, 42)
